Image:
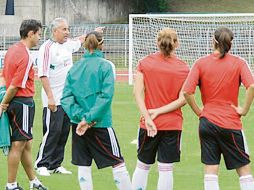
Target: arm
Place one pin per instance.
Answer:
(248, 99)
(2, 81)
(190, 99)
(139, 89)
(247, 102)
(248, 81)
(48, 91)
(99, 29)
(18, 81)
(178, 103)
(82, 38)
(44, 61)
(10, 93)
(69, 104)
(189, 88)
(73, 110)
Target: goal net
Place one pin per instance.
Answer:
(195, 33)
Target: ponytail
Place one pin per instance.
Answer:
(223, 40)
(166, 40)
(93, 40)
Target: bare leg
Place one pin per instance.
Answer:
(14, 158)
(212, 169)
(211, 177)
(26, 160)
(243, 171)
(245, 178)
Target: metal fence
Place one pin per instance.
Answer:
(116, 42)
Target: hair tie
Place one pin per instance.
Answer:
(215, 40)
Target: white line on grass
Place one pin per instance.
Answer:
(135, 141)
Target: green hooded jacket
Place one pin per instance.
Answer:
(89, 89)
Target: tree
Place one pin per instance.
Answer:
(144, 6)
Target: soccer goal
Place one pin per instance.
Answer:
(195, 32)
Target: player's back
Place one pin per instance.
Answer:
(163, 79)
(219, 81)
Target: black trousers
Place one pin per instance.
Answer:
(56, 128)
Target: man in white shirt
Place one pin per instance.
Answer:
(54, 61)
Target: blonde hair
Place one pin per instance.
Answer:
(167, 40)
(93, 40)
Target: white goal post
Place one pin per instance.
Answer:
(195, 32)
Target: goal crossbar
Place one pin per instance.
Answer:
(195, 32)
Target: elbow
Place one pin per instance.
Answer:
(251, 87)
(108, 97)
(63, 105)
(186, 94)
(134, 92)
(13, 88)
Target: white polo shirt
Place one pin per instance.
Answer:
(54, 62)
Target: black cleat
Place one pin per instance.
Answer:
(16, 188)
(39, 187)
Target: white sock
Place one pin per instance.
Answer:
(246, 182)
(85, 177)
(12, 185)
(211, 182)
(140, 175)
(165, 181)
(121, 177)
(34, 181)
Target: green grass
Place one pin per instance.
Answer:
(188, 174)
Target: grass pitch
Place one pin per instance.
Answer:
(188, 174)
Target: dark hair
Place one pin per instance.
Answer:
(93, 40)
(167, 38)
(222, 40)
(27, 26)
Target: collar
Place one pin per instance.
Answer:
(96, 53)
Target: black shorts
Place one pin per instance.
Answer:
(165, 143)
(21, 117)
(99, 144)
(230, 143)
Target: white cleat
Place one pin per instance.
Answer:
(61, 170)
(42, 171)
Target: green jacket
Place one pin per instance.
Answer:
(89, 89)
(5, 141)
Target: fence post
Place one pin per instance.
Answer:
(125, 46)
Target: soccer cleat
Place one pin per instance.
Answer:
(61, 170)
(42, 171)
(16, 188)
(38, 186)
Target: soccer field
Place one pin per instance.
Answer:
(188, 174)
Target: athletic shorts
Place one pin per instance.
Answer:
(166, 144)
(99, 144)
(216, 141)
(21, 116)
